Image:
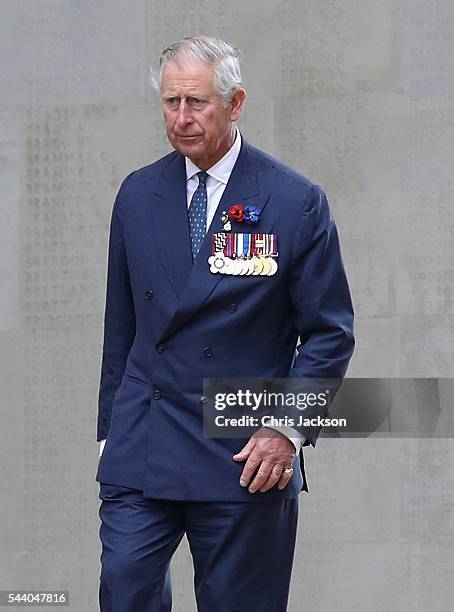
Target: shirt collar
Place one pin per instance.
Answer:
(222, 169)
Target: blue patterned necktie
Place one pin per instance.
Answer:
(197, 214)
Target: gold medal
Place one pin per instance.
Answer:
(266, 267)
(258, 266)
(273, 270)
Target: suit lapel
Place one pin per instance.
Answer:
(193, 282)
(170, 218)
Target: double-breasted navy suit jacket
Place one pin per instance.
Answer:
(170, 322)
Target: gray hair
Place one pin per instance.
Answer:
(227, 73)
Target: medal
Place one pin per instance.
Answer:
(234, 268)
(266, 267)
(217, 262)
(273, 267)
(244, 267)
(249, 264)
(258, 266)
(227, 269)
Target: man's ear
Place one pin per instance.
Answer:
(237, 103)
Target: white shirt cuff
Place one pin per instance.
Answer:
(101, 446)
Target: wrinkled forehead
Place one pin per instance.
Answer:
(186, 73)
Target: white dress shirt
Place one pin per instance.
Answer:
(218, 177)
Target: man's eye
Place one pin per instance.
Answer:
(196, 102)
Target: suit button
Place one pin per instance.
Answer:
(207, 352)
(148, 294)
(160, 347)
(203, 399)
(156, 394)
(232, 307)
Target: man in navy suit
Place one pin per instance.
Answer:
(173, 317)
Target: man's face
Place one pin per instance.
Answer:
(198, 124)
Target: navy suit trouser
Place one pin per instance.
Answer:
(242, 552)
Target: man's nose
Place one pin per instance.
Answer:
(184, 113)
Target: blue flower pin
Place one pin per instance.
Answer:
(251, 214)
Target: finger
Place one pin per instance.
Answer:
(284, 479)
(262, 476)
(245, 451)
(249, 469)
(273, 478)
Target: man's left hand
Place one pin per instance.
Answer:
(267, 458)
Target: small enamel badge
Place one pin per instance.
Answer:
(227, 226)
